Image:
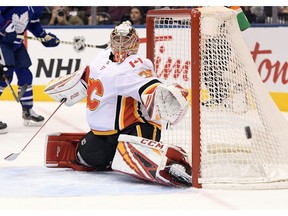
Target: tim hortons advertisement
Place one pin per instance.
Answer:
(78, 47)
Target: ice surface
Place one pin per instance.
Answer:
(27, 185)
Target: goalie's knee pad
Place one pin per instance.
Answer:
(60, 151)
(152, 161)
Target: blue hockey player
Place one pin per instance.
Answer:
(14, 57)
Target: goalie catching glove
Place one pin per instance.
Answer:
(167, 102)
(70, 87)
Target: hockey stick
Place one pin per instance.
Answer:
(78, 42)
(13, 156)
(10, 87)
(21, 93)
(4, 69)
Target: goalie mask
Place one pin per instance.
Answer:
(124, 41)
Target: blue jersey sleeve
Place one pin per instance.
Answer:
(2, 19)
(34, 26)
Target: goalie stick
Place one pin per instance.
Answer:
(13, 156)
(78, 42)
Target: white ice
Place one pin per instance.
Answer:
(26, 185)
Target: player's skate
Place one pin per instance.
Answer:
(3, 127)
(31, 118)
(181, 173)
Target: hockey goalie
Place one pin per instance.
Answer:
(126, 106)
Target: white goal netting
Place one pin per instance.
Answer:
(243, 135)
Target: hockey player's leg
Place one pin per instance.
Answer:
(61, 151)
(25, 78)
(152, 161)
(30, 117)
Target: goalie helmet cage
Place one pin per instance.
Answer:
(234, 134)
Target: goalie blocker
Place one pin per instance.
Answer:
(71, 87)
(138, 157)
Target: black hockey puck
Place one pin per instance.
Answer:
(248, 132)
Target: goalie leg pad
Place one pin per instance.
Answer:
(60, 151)
(177, 169)
(150, 161)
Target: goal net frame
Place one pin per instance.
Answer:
(195, 59)
(194, 79)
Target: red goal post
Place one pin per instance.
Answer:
(234, 133)
(151, 46)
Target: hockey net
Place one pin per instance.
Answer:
(234, 133)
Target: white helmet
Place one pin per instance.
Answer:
(124, 41)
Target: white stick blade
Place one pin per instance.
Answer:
(12, 156)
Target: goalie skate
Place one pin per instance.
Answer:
(3, 127)
(180, 173)
(31, 118)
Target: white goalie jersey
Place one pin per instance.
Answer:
(119, 95)
(114, 92)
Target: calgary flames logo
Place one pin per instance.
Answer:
(95, 88)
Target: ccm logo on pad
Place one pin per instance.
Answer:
(152, 143)
(74, 95)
